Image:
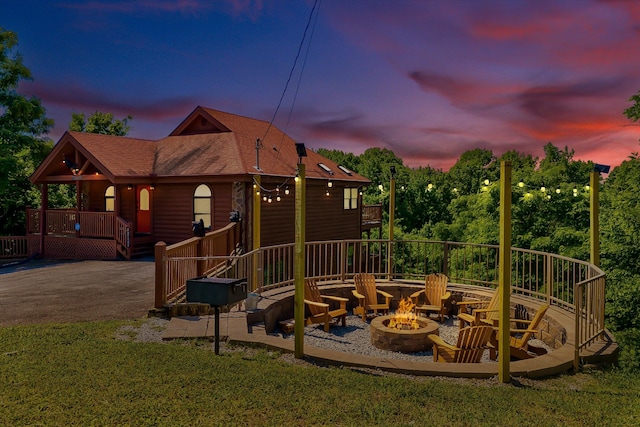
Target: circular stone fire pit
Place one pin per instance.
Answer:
(402, 340)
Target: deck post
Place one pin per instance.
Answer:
(298, 269)
(44, 202)
(255, 230)
(392, 211)
(160, 274)
(504, 261)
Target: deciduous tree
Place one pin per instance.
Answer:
(99, 122)
(23, 124)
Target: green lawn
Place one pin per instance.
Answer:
(81, 374)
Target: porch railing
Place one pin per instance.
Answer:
(13, 247)
(71, 221)
(572, 285)
(122, 236)
(371, 214)
(195, 257)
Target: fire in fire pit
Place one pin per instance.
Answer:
(396, 332)
(404, 317)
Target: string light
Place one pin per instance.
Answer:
(327, 193)
(286, 190)
(330, 184)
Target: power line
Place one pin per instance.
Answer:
(315, 3)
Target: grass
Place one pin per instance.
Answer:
(81, 374)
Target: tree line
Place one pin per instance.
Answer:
(550, 213)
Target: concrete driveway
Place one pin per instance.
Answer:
(45, 291)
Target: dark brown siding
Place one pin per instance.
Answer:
(326, 217)
(127, 203)
(173, 210)
(96, 189)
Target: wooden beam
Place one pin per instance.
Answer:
(299, 261)
(504, 261)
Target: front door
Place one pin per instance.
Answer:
(143, 207)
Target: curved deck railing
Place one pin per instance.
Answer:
(573, 285)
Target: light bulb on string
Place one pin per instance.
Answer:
(286, 190)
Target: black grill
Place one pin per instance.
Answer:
(216, 291)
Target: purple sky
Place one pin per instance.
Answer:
(426, 79)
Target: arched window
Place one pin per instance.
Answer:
(202, 205)
(109, 199)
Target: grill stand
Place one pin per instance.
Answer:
(217, 329)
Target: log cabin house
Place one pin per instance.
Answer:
(132, 193)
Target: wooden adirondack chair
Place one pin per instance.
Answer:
(519, 340)
(320, 312)
(367, 295)
(487, 315)
(435, 296)
(472, 342)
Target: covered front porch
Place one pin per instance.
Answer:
(77, 234)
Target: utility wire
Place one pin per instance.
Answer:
(304, 63)
(315, 3)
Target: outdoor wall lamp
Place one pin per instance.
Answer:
(601, 168)
(129, 187)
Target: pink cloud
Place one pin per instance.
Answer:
(86, 101)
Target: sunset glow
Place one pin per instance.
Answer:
(426, 79)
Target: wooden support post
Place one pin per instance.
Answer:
(504, 260)
(392, 214)
(161, 274)
(256, 230)
(44, 205)
(299, 260)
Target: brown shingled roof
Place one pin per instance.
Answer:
(207, 143)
